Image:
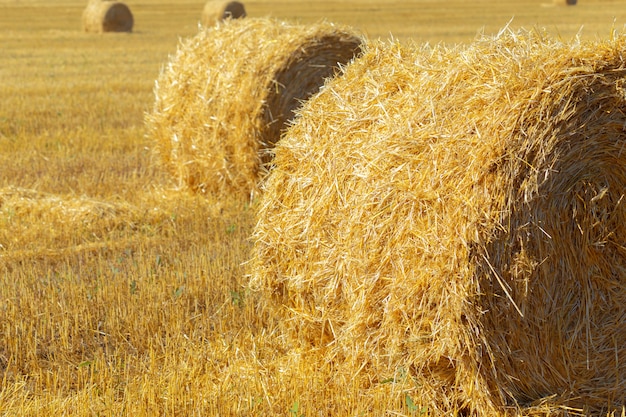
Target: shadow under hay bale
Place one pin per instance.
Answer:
(215, 11)
(459, 213)
(224, 98)
(107, 16)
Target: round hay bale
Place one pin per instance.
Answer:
(565, 2)
(215, 11)
(224, 98)
(458, 213)
(107, 16)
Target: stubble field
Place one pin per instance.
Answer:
(122, 293)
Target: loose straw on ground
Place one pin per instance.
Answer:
(457, 214)
(224, 98)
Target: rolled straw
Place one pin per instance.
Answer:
(225, 97)
(459, 213)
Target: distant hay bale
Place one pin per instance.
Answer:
(107, 16)
(565, 2)
(224, 98)
(215, 11)
(459, 213)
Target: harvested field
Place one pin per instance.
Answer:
(123, 293)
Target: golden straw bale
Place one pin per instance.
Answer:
(226, 95)
(458, 213)
(215, 11)
(107, 16)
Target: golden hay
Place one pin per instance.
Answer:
(565, 2)
(107, 16)
(72, 221)
(215, 11)
(226, 95)
(458, 213)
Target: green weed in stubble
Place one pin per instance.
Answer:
(413, 408)
(236, 298)
(294, 410)
(178, 292)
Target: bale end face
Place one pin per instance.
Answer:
(118, 18)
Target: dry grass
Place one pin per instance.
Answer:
(224, 98)
(458, 213)
(121, 294)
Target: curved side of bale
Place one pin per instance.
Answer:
(459, 213)
(222, 99)
(215, 11)
(107, 16)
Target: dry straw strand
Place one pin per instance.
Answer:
(107, 16)
(458, 212)
(224, 98)
(215, 11)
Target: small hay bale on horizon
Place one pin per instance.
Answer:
(458, 215)
(565, 2)
(225, 97)
(101, 16)
(217, 10)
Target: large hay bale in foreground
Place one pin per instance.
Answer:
(226, 95)
(215, 11)
(459, 213)
(107, 16)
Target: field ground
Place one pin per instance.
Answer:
(121, 294)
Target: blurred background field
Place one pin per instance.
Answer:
(123, 294)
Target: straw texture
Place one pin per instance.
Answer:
(215, 11)
(457, 214)
(75, 223)
(107, 16)
(225, 96)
